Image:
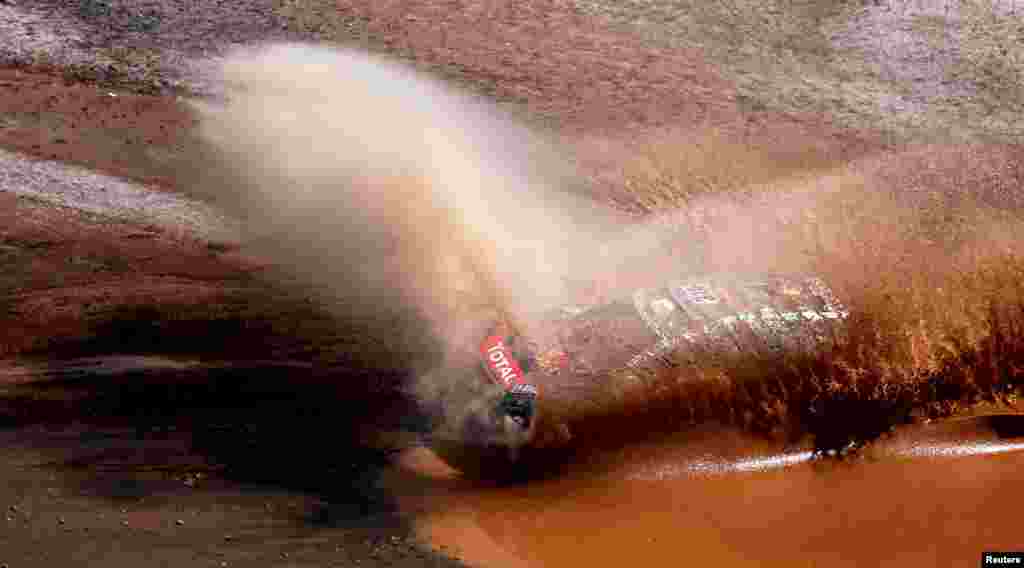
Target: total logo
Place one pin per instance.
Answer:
(500, 362)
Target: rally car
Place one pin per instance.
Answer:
(687, 318)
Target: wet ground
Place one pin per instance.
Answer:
(936, 494)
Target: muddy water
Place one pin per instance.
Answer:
(935, 495)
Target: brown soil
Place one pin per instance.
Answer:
(122, 133)
(562, 66)
(66, 273)
(100, 470)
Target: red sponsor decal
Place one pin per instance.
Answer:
(500, 362)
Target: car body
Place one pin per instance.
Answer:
(685, 319)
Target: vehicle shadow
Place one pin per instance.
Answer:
(126, 428)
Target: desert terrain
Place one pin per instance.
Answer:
(206, 347)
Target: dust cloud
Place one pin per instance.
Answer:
(395, 194)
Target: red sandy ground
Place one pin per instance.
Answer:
(82, 124)
(67, 276)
